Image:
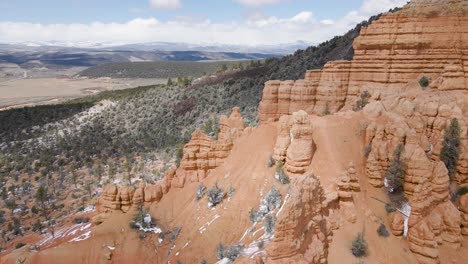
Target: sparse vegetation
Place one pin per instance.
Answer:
(424, 82)
(20, 245)
(280, 175)
(231, 252)
(395, 174)
(201, 189)
(450, 152)
(215, 195)
(269, 224)
(174, 234)
(231, 191)
(271, 162)
(326, 111)
(359, 246)
(363, 101)
(382, 231)
(80, 220)
(390, 208)
(367, 151)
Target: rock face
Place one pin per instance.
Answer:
(294, 144)
(302, 232)
(347, 184)
(203, 154)
(116, 197)
(419, 122)
(464, 213)
(426, 38)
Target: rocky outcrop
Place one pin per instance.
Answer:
(302, 232)
(347, 184)
(463, 205)
(294, 144)
(392, 52)
(203, 153)
(115, 197)
(418, 120)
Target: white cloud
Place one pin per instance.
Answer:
(165, 4)
(255, 31)
(258, 3)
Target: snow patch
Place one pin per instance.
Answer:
(406, 209)
(202, 229)
(82, 237)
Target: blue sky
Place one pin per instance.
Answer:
(86, 11)
(221, 21)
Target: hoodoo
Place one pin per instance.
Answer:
(338, 157)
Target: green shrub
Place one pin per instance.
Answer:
(382, 231)
(359, 246)
(231, 252)
(215, 195)
(280, 175)
(80, 220)
(201, 189)
(269, 224)
(326, 111)
(450, 152)
(390, 208)
(424, 81)
(362, 102)
(20, 245)
(395, 174)
(271, 162)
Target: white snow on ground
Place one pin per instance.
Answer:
(64, 232)
(88, 209)
(285, 201)
(224, 261)
(202, 229)
(186, 244)
(82, 237)
(406, 209)
(111, 248)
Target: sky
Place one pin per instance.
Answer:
(237, 22)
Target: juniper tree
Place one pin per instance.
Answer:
(450, 152)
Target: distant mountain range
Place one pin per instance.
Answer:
(55, 54)
(159, 46)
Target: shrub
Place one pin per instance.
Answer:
(382, 231)
(204, 261)
(359, 246)
(230, 252)
(390, 208)
(80, 220)
(231, 191)
(142, 235)
(269, 224)
(260, 244)
(395, 174)
(458, 193)
(273, 198)
(215, 195)
(271, 162)
(424, 82)
(450, 152)
(367, 151)
(362, 102)
(175, 233)
(201, 189)
(220, 251)
(20, 245)
(326, 111)
(253, 215)
(280, 175)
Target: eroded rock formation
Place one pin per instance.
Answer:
(302, 232)
(294, 144)
(203, 154)
(394, 51)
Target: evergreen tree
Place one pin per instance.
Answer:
(450, 152)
